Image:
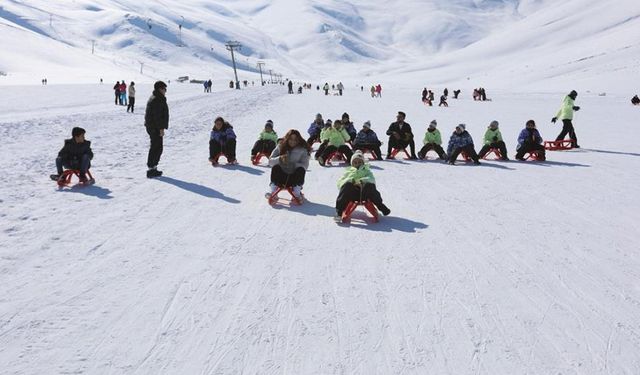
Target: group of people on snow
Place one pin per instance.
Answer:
(479, 94)
(207, 85)
(376, 91)
(120, 91)
(289, 156)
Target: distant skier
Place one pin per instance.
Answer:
(565, 113)
(367, 139)
(530, 140)
(156, 121)
(432, 141)
(222, 141)
(326, 88)
(266, 142)
(290, 85)
(493, 139)
(358, 184)
(400, 136)
(132, 97)
(289, 162)
(76, 154)
(340, 88)
(461, 141)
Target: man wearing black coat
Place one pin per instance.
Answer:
(400, 136)
(156, 120)
(75, 154)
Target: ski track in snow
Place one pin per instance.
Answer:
(503, 268)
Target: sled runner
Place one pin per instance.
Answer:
(214, 160)
(565, 144)
(346, 215)
(395, 152)
(493, 150)
(256, 159)
(273, 198)
(67, 175)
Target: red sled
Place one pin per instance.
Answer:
(214, 160)
(67, 175)
(496, 151)
(273, 198)
(366, 151)
(395, 151)
(256, 159)
(351, 206)
(565, 144)
(465, 156)
(335, 156)
(533, 156)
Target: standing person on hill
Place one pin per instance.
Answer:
(461, 141)
(116, 90)
(326, 88)
(123, 93)
(340, 88)
(493, 139)
(443, 101)
(425, 92)
(132, 97)
(530, 140)
(156, 121)
(358, 184)
(379, 90)
(289, 162)
(446, 92)
(400, 136)
(565, 113)
(367, 139)
(373, 91)
(432, 141)
(290, 86)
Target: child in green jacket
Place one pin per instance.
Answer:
(432, 141)
(493, 139)
(266, 140)
(336, 138)
(358, 184)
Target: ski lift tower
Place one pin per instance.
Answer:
(232, 46)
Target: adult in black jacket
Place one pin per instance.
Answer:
(400, 136)
(75, 154)
(156, 120)
(116, 90)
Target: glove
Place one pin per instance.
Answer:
(554, 120)
(576, 108)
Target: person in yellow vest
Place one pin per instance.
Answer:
(565, 113)
(358, 184)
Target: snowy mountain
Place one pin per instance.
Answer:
(495, 43)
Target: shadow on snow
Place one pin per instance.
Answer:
(197, 189)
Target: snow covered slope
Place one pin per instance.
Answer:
(504, 268)
(532, 44)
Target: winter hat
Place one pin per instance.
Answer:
(462, 127)
(345, 115)
(573, 94)
(433, 124)
(493, 123)
(402, 114)
(367, 124)
(159, 85)
(269, 124)
(357, 155)
(328, 123)
(318, 116)
(77, 131)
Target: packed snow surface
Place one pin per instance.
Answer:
(502, 268)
